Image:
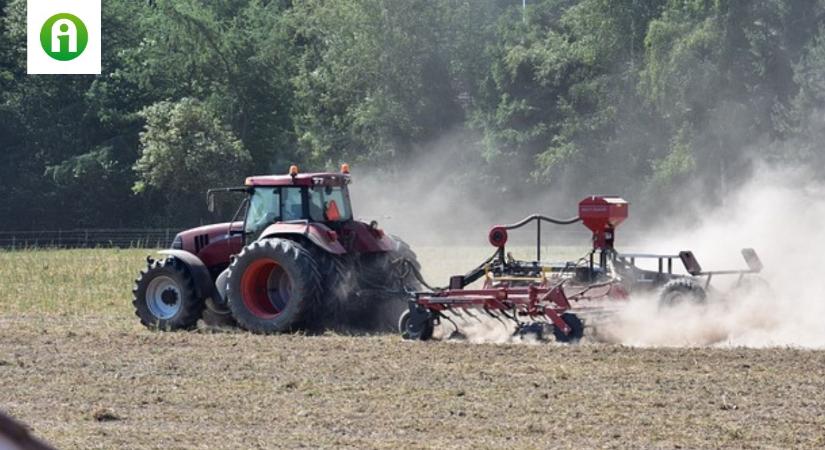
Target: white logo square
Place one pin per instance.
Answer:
(63, 37)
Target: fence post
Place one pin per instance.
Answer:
(86, 238)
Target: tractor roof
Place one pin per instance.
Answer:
(300, 179)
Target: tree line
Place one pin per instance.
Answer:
(639, 97)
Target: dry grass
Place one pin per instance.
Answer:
(76, 367)
(81, 282)
(69, 282)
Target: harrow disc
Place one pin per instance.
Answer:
(576, 329)
(416, 324)
(538, 330)
(543, 330)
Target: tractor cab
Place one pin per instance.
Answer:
(312, 197)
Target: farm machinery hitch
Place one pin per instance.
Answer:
(544, 298)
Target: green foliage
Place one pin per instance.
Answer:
(681, 75)
(630, 96)
(805, 122)
(186, 147)
(564, 85)
(677, 165)
(373, 78)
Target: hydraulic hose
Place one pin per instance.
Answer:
(539, 217)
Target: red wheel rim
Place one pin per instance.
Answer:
(266, 288)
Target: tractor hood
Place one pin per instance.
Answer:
(212, 243)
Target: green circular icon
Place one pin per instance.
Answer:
(64, 37)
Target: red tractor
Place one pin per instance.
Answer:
(293, 258)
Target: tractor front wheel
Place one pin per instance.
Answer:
(274, 285)
(164, 296)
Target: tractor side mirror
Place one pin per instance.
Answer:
(691, 264)
(752, 260)
(210, 195)
(210, 201)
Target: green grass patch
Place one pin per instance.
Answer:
(100, 281)
(73, 282)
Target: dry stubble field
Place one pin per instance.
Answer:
(77, 367)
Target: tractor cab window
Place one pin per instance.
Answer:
(329, 204)
(293, 208)
(264, 209)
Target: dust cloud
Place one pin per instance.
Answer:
(447, 195)
(779, 213)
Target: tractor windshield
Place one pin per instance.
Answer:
(329, 204)
(264, 209)
(268, 205)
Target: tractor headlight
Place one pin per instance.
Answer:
(177, 243)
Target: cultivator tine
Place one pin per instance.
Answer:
(546, 320)
(494, 316)
(460, 314)
(511, 317)
(470, 313)
(456, 334)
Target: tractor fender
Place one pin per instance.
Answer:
(368, 238)
(319, 234)
(204, 285)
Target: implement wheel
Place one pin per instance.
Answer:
(416, 324)
(273, 286)
(681, 291)
(164, 296)
(576, 329)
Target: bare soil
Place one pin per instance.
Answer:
(99, 382)
(76, 366)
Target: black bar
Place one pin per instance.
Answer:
(539, 217)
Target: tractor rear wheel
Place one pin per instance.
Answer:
(681, 291)
(274, 286)
(382, 281)
(340, 309)
(164, 296)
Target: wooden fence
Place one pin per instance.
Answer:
(88, 238)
